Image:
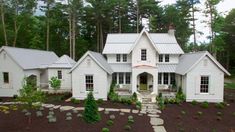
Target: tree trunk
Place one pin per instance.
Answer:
(119, 20)
(101, 38)
(74, 34)
(137, 17)
(3, 23)
(48, 26)
(97, 37)
(16, 27)
(194, 30)
(70, 35)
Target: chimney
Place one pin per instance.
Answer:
(171, 30)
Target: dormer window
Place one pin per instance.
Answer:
(118, 57)
(143, 54)
(167, 58)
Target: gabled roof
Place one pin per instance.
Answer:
(98, 58)
(122, 43)
(190, 60)
(137, 40)
(30, 58)
(63, 62)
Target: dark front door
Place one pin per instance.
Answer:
(143, 81)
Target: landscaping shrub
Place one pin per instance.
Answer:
(130, 121)
(194, 102)
(105, 129)
(219, 105)
(205, 104)
(15, 96)
(109, 122)
(134, 97)
(180, 95)
(127, 127)
(127, 101)
(160, 101)
(75, 101)
(130, 117)
(91, 113)
(138, 105)
(55, 83)
(66, 95)
(100, 101)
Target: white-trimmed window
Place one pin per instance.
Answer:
(124, 57)
(121, 78)
(59, 74)
(167, 58)
(5, 77)
(204, 86)
(172, 78)
(159, 78)
(165, 78)
(114, 76)
(128, 78)
(160, 58)
(143, 54)
(118, 57)
(89, 83)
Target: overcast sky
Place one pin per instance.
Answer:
(223, 8)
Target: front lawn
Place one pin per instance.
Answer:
(200, 117)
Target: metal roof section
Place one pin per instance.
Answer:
(30, 58)
(124, 67)
(63, 62)
(189, 60)
(167, 67)
(98, 58)
(123, 43)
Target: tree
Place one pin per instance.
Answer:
(3, 20)
(55, 83)
(91, 114)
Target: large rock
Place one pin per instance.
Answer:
(156, 121)
(65, 108)
(125, 110)
(111, 109)
(135, 111)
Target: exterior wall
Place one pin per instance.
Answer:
(144, 43)
(100, 80)
(66, 81)
(111, 58)
(216, 82)
(173, 59)
(16, 76)
(44, 79)
(37, 73)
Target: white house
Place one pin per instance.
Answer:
(60, 69)
(18, 63)
(149, 63)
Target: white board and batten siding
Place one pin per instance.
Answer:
(16, 76)
(66, 83)
(100, 79)
(205, 67)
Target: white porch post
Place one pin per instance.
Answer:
(155, 83)
(134, 82)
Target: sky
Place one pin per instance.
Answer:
(223, 8)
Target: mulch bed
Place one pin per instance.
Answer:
(17, 122)
(175, 121)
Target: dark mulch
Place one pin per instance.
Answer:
(17, 122)
(175, 121)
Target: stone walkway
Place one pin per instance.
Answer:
(151, 109)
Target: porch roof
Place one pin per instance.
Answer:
(121, 67)
(167, 68)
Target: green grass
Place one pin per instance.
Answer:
(229, 85)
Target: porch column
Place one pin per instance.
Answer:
(134, 82)
(155, 83)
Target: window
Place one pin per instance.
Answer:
(172, 81)
(128, 78)
(165, 81)
(121, 78)
(118, 57)
(89, 83)
(167, 58)
(114, 77)
(204, 84)
(143, 54)
(124, 58)
(159, 78)
(5, 77)
(59, 74)
(160, 58)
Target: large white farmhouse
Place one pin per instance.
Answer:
(145, 63)
(149, 63)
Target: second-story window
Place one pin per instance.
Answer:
(124, 58)
(160, 58)
(143, 54)
(167, 58)
(118, 57)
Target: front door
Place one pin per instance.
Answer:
(143, 82)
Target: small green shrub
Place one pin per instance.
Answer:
(55, 83)
(130, 117)
(127, 127)
(138, 105)
(160, 102)
(134, 97)
(131, 121)
(105, 129)
(194, 102)
(219, 105)
(205, 104)
(109, 122)
(75, 101)
(127, 101)
(100, 101)
(180, 95)
(15, 96)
